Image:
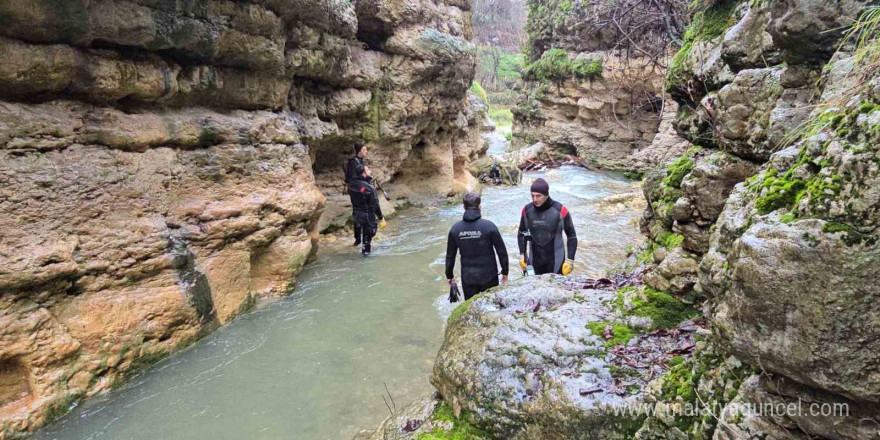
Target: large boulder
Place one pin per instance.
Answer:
(523, 362)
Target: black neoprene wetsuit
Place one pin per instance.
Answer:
(478, 241)
(546, 224)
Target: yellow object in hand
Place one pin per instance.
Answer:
(382, 224)
(522, 262)
(568, 266)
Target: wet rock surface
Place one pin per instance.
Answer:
(524, 363)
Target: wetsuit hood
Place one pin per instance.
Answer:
(471, 215)
(546, 205)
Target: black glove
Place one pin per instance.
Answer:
(454, 293)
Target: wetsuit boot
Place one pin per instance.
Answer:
(369, 231)
(357, 234)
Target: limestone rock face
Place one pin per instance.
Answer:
(784, 216)
(162, 164)
(815, 252)
(604, 120)
(821, 414)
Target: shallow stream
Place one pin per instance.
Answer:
(316, 364)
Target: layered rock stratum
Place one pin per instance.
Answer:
(163, 164)
(594, 85)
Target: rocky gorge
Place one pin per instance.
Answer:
(592, 92)
(752, 312)
(165, 164)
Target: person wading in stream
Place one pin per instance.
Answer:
(365, 206)
(478, 241)
(350, 171)
(544, 220)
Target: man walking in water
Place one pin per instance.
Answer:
(351, 174)
(365, 207)
(479, 242)
(543, 221)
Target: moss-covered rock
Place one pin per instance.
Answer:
(532, 360)
(805, 229)
(689, 397)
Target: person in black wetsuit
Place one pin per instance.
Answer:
(478, 241)
(365, 207)
(351, 174)
(546, 220)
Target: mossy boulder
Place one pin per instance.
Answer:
(536, 359)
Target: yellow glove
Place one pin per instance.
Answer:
(568, 266)
(522, 262)
(382, 224)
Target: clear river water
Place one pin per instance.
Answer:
(316, 364)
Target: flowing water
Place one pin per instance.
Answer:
(315, 365)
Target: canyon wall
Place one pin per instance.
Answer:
(589, 92)
(771, 216)
(162, 164)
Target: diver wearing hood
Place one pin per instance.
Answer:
(545, 220)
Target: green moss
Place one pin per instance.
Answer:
(460, 309)
(247, 304)
(372, 128)
(677, 171)
(678, 360)
(705, 25)
(555, 66)
(585, 68)
(621, 334)
(462, 429)
(781, 193)
(665, 310)
(669, 240)
(478, 90)
(59, 407)
(705, 379)
(647, 255)
(851, 236)
(633, 175)
(618, 371)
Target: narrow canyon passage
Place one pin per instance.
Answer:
(314, 365)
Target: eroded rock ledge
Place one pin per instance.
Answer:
(162, 164)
